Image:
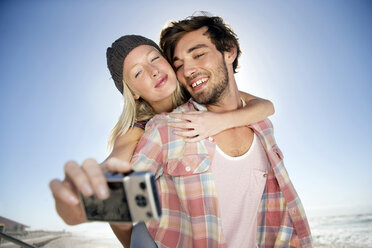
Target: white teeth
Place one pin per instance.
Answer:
(199, 82)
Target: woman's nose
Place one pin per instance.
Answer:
(154, 71)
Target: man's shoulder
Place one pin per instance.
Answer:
(188, 106)
(157, 120)
(264, 129)
(161, 120)
(264, 125)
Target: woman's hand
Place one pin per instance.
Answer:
(197, 125)
(88, 179)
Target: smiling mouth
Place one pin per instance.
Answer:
(199, 82)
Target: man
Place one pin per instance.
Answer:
(232, 189)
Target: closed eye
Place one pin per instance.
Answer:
(198, 55)
(155, 58)
(178, 67)
(137, 74)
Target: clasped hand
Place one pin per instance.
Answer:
(196, 125)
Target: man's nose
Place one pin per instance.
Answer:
(189, 69)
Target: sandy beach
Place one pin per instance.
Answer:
(35, 238)
(65, 239)
(348, 231)
(81, 242)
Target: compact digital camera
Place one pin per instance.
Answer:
(133, 197)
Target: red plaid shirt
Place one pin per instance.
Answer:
(190, 212)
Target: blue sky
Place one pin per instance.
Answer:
(312, 59)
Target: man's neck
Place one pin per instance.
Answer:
(234, 141)
(229, 100)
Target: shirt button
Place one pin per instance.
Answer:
(188, 169)
(265, 175)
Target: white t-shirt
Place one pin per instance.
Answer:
(240, 182)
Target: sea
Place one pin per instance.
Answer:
(344, 231)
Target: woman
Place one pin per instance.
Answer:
(149, 86)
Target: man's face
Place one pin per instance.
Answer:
(200, 67)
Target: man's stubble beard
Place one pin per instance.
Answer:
(218, 90)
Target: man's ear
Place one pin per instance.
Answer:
(230, 56)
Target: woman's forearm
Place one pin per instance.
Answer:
(123, 149)
(256, 109)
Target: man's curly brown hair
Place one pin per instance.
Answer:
(221, 35)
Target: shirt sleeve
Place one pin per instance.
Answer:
(140, 124)
(148, 155)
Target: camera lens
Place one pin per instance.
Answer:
(115, 185)
(141, 200)
(143, 185)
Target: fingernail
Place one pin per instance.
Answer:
(86, 189)
(102, 192)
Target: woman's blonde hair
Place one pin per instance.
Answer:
(138, 110)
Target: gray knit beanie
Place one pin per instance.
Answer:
(119, 50)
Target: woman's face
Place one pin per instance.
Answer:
(149, 75)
